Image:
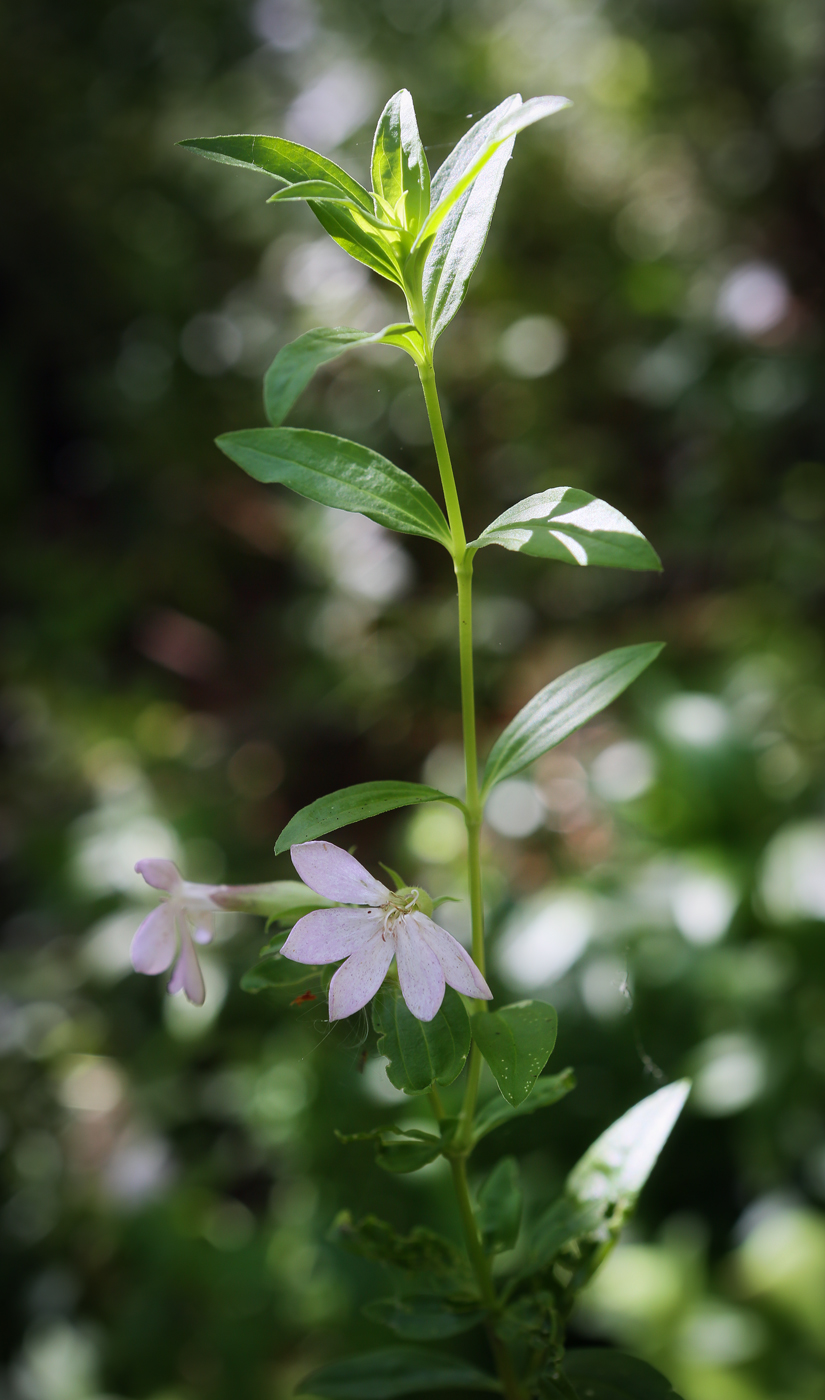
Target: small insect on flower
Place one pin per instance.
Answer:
(184, 919)
(303, 998)
(388, 924)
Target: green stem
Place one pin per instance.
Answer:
(463, 560)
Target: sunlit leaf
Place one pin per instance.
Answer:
(500, 1204)
(421, 1053)
(545, 1092)
(354, 804)
(563, 706)
(311, 189)
(337, 472)
(571, 526)
(516, 1042)
(616, 1166)
(284, 160)
(294, 366)
(380, 1375)
(400, 174)
(467, 161)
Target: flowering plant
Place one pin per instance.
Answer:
(432, 1015)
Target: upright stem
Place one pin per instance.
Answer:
(463, 559)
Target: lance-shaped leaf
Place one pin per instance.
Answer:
(312, 189)
(400, 173)
(564, 706)
(467, 161)
(381, 1375)
(603, 1374)
(571, 526)
(354, 804)
(294, 366)
(336, 472)
(616, 1166)
(421, 1053)
(283, 160)
(545, 1092)
(500, 1205)
(293, 164)
(420, 1317)
(516, 1042)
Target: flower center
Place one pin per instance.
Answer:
(405, 901)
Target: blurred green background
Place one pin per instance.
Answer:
(189, 657)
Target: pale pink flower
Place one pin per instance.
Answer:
(387, 925)
(169, 934)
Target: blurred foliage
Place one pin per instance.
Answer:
(189, 658)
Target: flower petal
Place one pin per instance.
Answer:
(419, 971)
(335, 873)
(160, 874)
(196, 896)
(326, 935)
(153, 946)
(359, 978)
(458, 967)
(204, 925)
(187, 973)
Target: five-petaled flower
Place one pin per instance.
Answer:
(387, 925)
(184, 919)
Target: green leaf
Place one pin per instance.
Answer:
(422, 1252)
(421, 1053)
(459, 242)
(284, 160)
(616, 1166)
(571, 526)
(422, 1317)
(546, 1091)
(400, 173)
(602, 1374)
(293, 164)
(467, 161)
(295, 365)
(311, 189)
(564, 706)
(336, 472)
(354, 804)
(564, 1224)
(408, 1155)
(500, 1203)
(281, 975)
(516, 1042)
(380, 1375)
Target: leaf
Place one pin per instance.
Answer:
(458, 244)
(281, 975)
(422, 1252)
(408, 1154)
(516, 1042)
(546, 1091)
(295, 365)
(564, 1223)
(354, 804)
(380, 1375)
(564, 706)
(293, 164)
(422, 1317)
(339, 473)
(469, 157)
(616, 1166)
(500, 1205)
(572, 526)
(602, 1374)
(400, 173)
(421, 1053)
(311, 189)
(284, 160)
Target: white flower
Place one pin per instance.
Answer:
(185, 918)
(392, 925)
